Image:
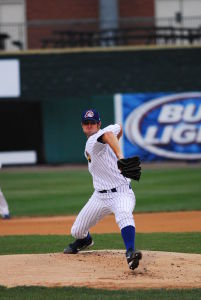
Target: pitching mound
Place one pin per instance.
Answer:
(102, 269)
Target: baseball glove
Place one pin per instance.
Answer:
(130, 167)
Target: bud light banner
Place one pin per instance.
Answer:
(160, 126)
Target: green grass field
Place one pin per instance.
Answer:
(65, 192)
(171, 242)
(42, 293)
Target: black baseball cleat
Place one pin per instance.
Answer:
(133, 258)
(78, 245)
(6, 217)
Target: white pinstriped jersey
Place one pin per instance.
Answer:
(102, 161)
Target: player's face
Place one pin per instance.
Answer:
(90, 127)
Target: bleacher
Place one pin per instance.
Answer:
(122, 36)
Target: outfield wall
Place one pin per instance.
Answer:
(63, 83)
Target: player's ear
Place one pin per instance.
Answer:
(99, 124)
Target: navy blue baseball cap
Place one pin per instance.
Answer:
(90, 115)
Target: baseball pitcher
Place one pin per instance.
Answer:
(111, 175)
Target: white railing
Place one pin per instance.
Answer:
(73, 33)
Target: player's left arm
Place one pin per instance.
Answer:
(112, 140)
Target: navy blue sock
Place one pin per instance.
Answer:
(88, 236)
(128, 235)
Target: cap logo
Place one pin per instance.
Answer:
(89, 114)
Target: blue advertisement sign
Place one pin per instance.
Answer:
(160, 126)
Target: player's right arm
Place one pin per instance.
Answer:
(120, 132)
(112, 140)
(110, 135)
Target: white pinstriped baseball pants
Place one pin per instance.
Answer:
(3, 205)
(120, 203)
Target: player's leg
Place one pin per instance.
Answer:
(123, 209)
(4, 210)
(90, 214)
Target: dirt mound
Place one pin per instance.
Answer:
(102, 269)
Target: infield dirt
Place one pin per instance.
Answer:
(145, 222)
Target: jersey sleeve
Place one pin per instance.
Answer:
(98, 146)
(116, 128)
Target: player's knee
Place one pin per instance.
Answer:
(125, 219)
(74, 231)
(77, 233)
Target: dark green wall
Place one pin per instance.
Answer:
(67, 83)
(63, 137)
(84, 74)
(100, 73)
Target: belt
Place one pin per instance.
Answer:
(114, 190)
